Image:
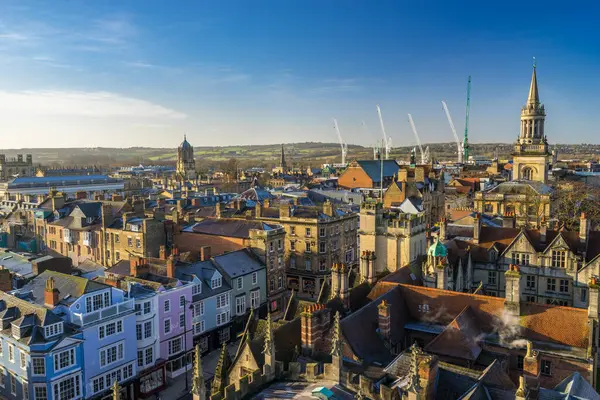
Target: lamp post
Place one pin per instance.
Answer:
(185, 332)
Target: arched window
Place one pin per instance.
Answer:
(527, 174)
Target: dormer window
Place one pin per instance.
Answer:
(53, 330)
(196, 289)
(215, 283)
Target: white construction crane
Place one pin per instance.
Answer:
(412, 125)
(367, 134)
(387, 142)
(342, 144)
(459, 146)
(427, 156)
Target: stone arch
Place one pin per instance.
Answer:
(528, 172)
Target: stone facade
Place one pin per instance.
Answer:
(531, 157)
(555, 265)
(395, 239)
(16, 166)
(186, 164)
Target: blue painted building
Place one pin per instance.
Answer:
(99, 324)
(41, 356)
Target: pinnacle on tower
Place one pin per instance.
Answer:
(269, 348)
(198, 387)
(336, 340)
(220, 379)
(116, 390)
(534, 95)
(414, 381)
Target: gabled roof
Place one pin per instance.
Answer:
(373, 168)
(238, 263)
(495, 376)
(576, 387)
(233, 227)
(69, 286)
(459, 339)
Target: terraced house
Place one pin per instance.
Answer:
(69, 319)
(169, 335)
(40, 355)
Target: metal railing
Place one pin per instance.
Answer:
(115, 310)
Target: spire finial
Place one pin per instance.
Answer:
(534, 63)
(269, 347)
(116, 390)
(198, 387)
(336, 340)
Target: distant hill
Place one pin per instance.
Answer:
(307, 153)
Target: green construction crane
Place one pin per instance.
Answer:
(466, 139)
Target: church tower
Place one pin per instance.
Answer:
(282, 162)
(531, 157)
(186, 164)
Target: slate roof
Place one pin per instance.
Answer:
(204, 271)
(373, 168)
(233, 227)
(573, 387)
(58, 180)
(459, 339)
(67, 285)
(521, 187)
(238, 263)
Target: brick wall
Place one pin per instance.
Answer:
(355, 177)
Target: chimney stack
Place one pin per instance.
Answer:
(266, 203)
(385, 326)
(315, 319)
(476, 227)
(137, 266)
(513, 290)
(162, 252)
(531, 370)
(508, 220)
(584, 228)
(171, 266)
(205, 253)
(258, 210)
(50, 293)
(285, 210)
(328, 208)
(543, 231)
(218, 210)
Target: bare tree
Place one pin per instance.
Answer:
(571, 199)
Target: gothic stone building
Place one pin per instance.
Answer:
(555, 265)
(391, 239)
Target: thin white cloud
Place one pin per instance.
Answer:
(13, 36)
(83, 104)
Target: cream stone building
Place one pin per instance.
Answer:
(555, 266)
(531, 157)
(389, 240)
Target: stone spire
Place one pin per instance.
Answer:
(198, 386)
(116, 390)
(220, 378)
(282, 162)
(336, 340)
(414, 384)
(269, 349)
(534, 96)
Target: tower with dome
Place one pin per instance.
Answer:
(186, 164)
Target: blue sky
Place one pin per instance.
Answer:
(143, 73)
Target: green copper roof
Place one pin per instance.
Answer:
(437, 249)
